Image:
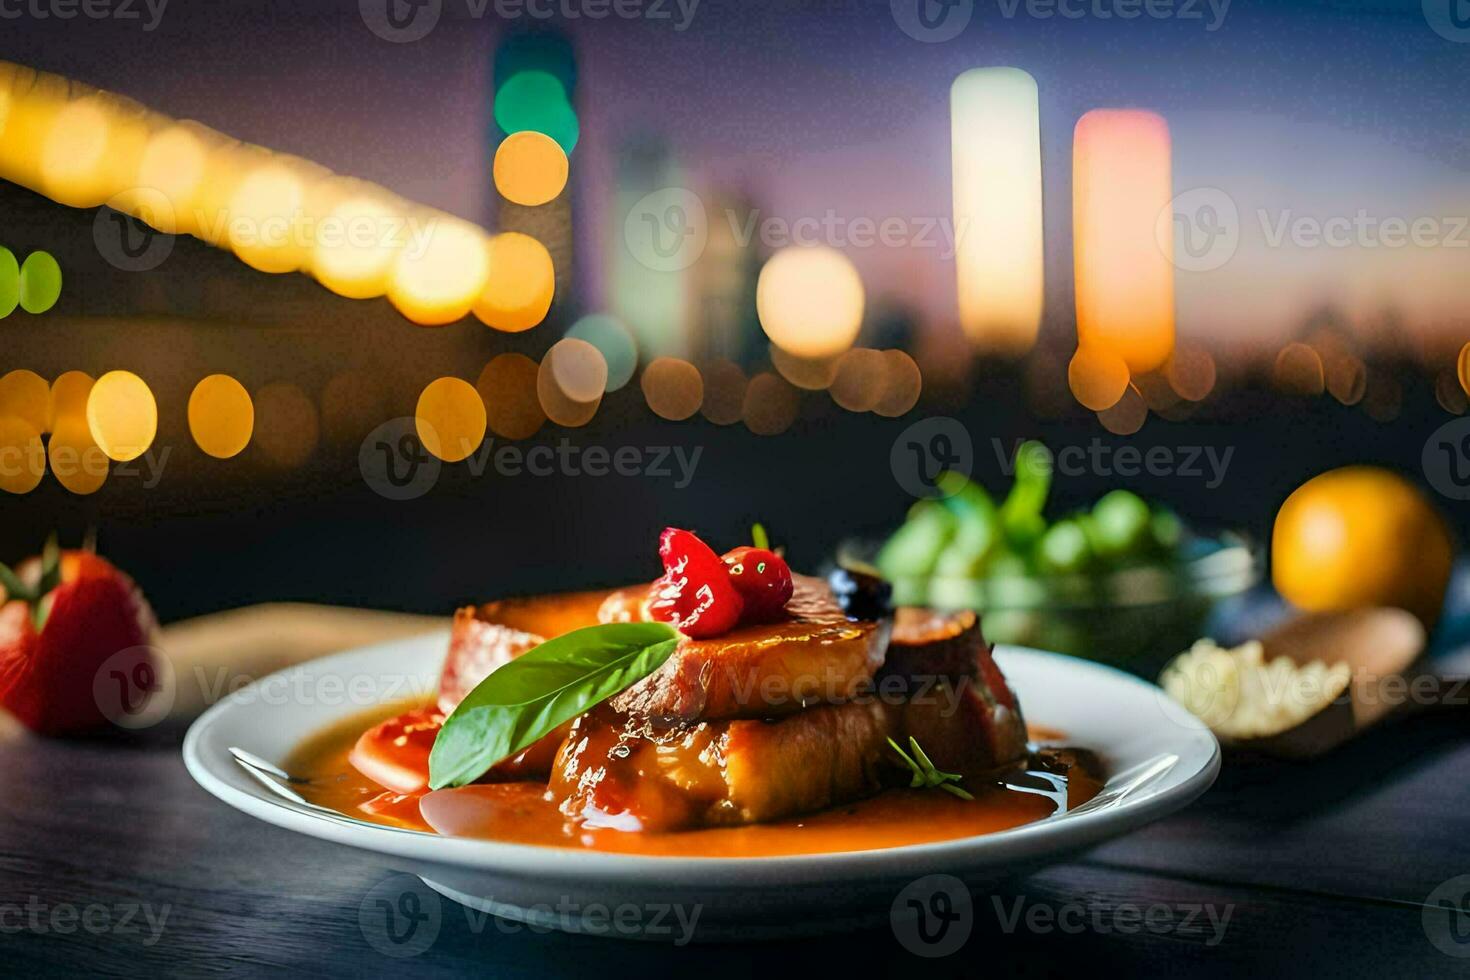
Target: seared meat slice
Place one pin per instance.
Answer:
(486, 637)
(818, 656)
(927, 643)
(481, 640)
(630, 774)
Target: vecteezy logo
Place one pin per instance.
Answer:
(127, 243)
(135, 688)
(925, 450)
(400, 917)
(401, 21)
(667, 230)
(933, 916)
(1199, 230)
(932, 21)
(394, 462)
(1450, 19)
(1446, 917)
(1446, 459)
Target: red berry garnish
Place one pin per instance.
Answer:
(695, 593)
(763, 580)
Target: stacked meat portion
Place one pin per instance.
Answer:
(763, 722)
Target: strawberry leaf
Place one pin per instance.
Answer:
(50, 567)
(14, 587)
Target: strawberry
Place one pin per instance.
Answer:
(763, 580)
(695, 593)
(62, 619)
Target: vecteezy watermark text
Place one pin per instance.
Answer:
(395, 464)
(42, 918)
(668, 230)
(1097, 458)
(148, 12)
(403, 21)
(934, 21)
(933, 916)
(401, 917)
(1200, 229)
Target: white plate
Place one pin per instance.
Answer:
(1157, 756)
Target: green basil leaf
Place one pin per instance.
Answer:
(539, 690)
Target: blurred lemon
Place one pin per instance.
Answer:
(1361, 536)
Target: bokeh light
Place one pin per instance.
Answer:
(520, 284)
(1097, 376)
(9, 282)
(530, 168)
(358, 243)
(77, 462)
(40, 282)
(26, 395)
(902, 387)
(1298, 370)
(507, 386)
(810, 301)
(724, 391)
(173, 166)
(264, 228)
(862, 376)
(22, 455)
(1123, 257)
(1449, 394)
(771, 404)
(570, 382)
(1345, 377)
(995, 130)
(69, 399)
(809, 373)
(93, 140)
(536, 100)
(122, 415)
(1191, 372)
(437, 278)
(73, 155)
(616, 343)
(221, 416)
(287, 428)
(450, 419)
(673, 388)
(1127, 415)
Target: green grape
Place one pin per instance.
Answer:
(1021, 514)
(40, 282)
(976, 529)
(9, 282)
(1167, 530)
(915, 547)
(1119, 526)
(1064, 548)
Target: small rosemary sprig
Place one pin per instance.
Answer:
(926, 776)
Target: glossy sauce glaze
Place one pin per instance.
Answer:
(1052, 780)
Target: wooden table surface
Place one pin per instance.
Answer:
(113, 862)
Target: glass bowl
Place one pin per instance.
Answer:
(1135, 617)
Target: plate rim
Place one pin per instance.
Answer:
(1010, 848)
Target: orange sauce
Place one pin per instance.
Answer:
(1053, 781)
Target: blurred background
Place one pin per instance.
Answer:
(1310, 160)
